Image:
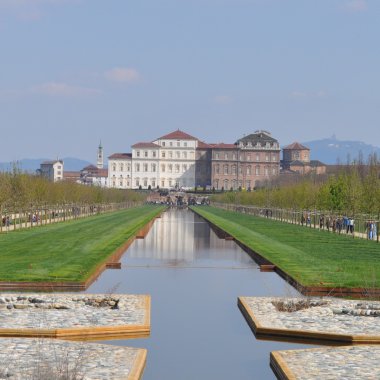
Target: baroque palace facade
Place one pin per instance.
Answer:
(178, 160)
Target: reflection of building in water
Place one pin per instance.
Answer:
(172, 237)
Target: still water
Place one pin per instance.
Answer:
(194, 279)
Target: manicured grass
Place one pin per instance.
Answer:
(312, 257)
(69, 251)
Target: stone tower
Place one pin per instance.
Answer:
(99, 160)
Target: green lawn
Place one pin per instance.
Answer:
(312, 257)
(68, 251)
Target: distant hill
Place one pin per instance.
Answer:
(331, 150)
(31, 165)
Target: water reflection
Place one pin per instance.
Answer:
(194, 279)
(182, 238)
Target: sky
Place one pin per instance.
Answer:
(77, 72)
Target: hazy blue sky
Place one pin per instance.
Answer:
(77, 71)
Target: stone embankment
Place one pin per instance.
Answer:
(348, 363)
(319, 319)
(68, 315)
(55, 359)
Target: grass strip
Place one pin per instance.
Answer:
(69, 251)
(312, 257)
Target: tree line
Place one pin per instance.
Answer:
(21, 190)
(350, 189)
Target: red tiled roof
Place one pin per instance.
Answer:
(71, 174)
(124, 156)
(296, 145)
(102, 172)
(223, 146)
(145, 145)
(203, 145)
(177, 135)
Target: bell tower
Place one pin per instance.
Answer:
(99, 160)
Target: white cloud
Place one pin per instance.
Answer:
(356, 6)
(64, 89)
(123, 75)
(222, 99)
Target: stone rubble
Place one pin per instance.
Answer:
(48, 359)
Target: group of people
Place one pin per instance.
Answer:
(339, 224)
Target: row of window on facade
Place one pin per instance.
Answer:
(233, 156)
(170, 168)
(234, 184)
(170, 154)
(226, 170)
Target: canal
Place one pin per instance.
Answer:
(194, 279)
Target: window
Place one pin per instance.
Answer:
(163, 183)
(170, 182)
(170, 154)
(59, 172)
(184, 168)
(163, 143)
(153, 167)
(225, 169)
(267, 157)
(233, 169)
(145, 167)
(137, 153)
(145, 182)
(121, 182)
(248, 184)
(114, 167)
(185, 144)
(178, 143)
(163, 168)
(274, 158)
(163, 154)
(137, 167)
(184, 154)
(153, 183)
(225, 184)
(128, 167)
(171, 143)
(234, 156)
(257, 170)
(257, 157)
(266, 170)
(248, 170)
(137, 182)
(248, 157)
(121, 167)
(177, 168)
(274, 171)
(217, 169)
(170, 168)
(217, 156)
(154, 154)
(226, 156)
(59, 167)
(145, 153)
(178, 154)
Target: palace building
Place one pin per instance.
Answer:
(181, 161)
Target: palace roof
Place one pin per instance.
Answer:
(120, 156)
(296, 145)
(145, 145)
(177, 135)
